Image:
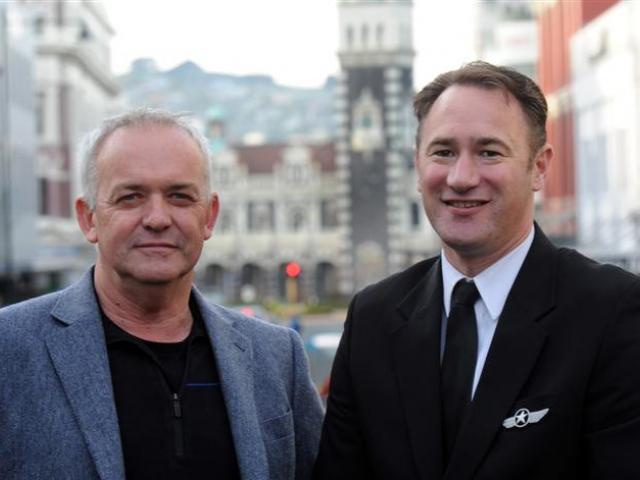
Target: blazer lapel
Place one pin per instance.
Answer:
(77, 349)
(415, 338)
(515, 347)
(233, 354)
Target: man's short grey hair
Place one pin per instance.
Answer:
(92, 144)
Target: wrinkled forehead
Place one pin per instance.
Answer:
(147, 140)
(149, 151)
(141, 135)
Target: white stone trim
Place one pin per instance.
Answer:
(392, 88)
(393, 73)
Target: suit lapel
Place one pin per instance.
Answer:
(515, 347)
(76, 345)
(415, 337)
(233, 354)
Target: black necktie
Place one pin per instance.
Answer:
(458, 361)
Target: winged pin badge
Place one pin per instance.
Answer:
(524, 417)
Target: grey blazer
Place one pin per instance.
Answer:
(57, 413)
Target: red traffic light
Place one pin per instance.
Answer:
(293, 269)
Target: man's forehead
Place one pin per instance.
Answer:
(160, 154)
(142, 136)
(455, 93)
(484, 114)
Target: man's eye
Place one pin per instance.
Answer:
(181, 197)
(442, 153)
(490, 153)
(128, 198)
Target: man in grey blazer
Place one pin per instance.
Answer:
(130, 372)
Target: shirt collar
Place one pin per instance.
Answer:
(494, 282)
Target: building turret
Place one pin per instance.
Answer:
(376, 135)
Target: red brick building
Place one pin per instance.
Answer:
(558, 21)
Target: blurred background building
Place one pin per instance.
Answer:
(558, 23)
(605, 86)
(317, 182)
(74, 89)
(278, 208)
(507, 34)
(348, 212)
(18, 194)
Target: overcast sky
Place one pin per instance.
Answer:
(295, 41)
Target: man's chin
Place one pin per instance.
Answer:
(466, 238)
(160, 277)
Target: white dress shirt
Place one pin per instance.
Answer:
(494, 284)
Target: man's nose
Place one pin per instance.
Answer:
(463, 174)
(157, 214)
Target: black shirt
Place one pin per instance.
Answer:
(171, 411)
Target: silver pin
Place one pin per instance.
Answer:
(524, 417)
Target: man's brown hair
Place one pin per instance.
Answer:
(485, 75)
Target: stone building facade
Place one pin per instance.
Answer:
(348, 212)
(278, 205)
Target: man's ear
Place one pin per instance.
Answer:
(213, 208)
(541, 166)
(86, 219)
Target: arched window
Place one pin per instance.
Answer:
(380, 35)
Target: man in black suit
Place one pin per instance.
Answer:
(504, 358)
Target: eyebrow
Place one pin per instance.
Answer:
(446, 141)
(486, 141)
(139, 186)
(482, 141)
(183, 186)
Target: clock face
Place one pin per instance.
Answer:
(367, 131)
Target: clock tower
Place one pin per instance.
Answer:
(375, 144)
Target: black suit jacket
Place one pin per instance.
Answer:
(568, 339)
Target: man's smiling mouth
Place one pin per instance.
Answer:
(465, 203)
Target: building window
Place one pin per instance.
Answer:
(225, 222)
(44, 196)
(328, 214)
(38, 25)
(85, 33)
(349, 37)
(365, 36)
(415, 216)
(40, 113)
(366, 121)
(213, 279)
(380, 35)
(368, 131)
(296, 173)
(260, 216)
(297, 219)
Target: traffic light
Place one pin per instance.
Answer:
(293, 270)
